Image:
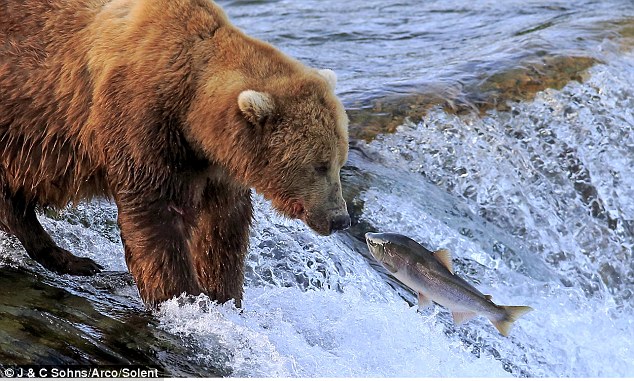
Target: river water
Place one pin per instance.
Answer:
(534, 200)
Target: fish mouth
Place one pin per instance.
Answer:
(374, 239)
(375, 244)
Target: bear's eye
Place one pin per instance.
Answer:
(321, 169)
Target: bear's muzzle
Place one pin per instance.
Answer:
(340, 222)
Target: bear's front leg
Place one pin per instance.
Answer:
(220, 240)
(155, 234)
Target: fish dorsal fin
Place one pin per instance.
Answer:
(460, 317)
(488, 297)
(444, 256)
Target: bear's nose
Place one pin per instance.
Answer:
(340, 222)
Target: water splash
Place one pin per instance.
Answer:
(556, 173)
(551, 173)
(286, 332)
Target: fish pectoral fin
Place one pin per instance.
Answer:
(444, 257)
(423, 301)
(460, 317)
(389, 267)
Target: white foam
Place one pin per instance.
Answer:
(286, 332)
(582, 323)
(89, 230)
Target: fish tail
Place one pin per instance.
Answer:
(511, 314)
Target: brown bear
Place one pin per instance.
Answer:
(176, 114)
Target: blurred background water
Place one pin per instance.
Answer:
(502, 130)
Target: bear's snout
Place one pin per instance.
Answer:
(328, 221)
(340, 222)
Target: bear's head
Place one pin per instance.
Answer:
(302, 142)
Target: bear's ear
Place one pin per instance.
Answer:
(330, 76)
(256, 106)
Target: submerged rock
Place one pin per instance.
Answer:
(496, 85)
(487, 92)
(46, 325)
(625, 33)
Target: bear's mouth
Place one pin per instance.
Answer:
(297, 210)
(290, 207)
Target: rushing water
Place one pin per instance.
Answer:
(535, 203)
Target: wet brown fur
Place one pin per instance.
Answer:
(137, 100)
